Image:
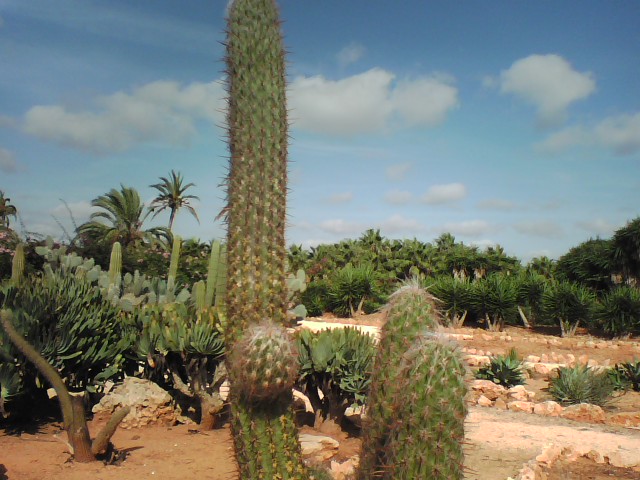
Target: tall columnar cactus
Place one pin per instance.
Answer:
(264, 431)
(115, 264)
(17, 264)
(175, 257)
(401, 374)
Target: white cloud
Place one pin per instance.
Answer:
(7, 122)
(368, 102)
(398, 171)
(398, 223)
(425, 101)
(350, 54)
(619, 133)
(79, 210)
(342, 227)
(549, 83)
(542, 228)
(448, 193)
(398, 197)
(467, 228)
(496, 204)
(8, 162)
(341, 197)
(484, 243)
(354, 105)
(598, 226)
(162, 112)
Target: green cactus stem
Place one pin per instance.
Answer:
(72, 406)
(411, 311)
(264, 432)
(175, 257)
(18, 264)
(427, 434)
(115, 264)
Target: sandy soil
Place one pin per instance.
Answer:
(498, 442)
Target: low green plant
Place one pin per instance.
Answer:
(350, 287)
(626, 375)
(505, 370)
(336, 362)
(581, 384)
(618, 312)
(316, 298)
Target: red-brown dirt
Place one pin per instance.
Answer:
(499, 442)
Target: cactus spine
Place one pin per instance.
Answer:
(18, 265)
(265, 435)
(411, 360)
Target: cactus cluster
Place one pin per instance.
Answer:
(412, 360)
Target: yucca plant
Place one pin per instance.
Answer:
(619, 311)
(569, 304)
(581, 384)
(351, 287)
(505, 370)
(335, 363)
(455, 298)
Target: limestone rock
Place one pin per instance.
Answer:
(584, 412)
(150, 404)
(548, 409)
(484, 401)
(318, 447)
(344, 470)
(488, 388)
(520, 406)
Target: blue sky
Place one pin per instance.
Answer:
(511, 123)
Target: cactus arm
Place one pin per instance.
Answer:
(175, 257)
(18, 265)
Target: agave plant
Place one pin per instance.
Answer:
(337, 363)
(505, 370)
(581, 384)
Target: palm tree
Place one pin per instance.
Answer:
(6, 210)
(121, 217)
(171, 195)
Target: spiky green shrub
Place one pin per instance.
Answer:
(316, 298)
(618, 312)
(505, 370)
(494, 300)
(335, 363)
(350, 287)
(581, 384)
(455, 298)
(569, 304)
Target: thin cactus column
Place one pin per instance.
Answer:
(411, 360)
(264, 431)
(18, 265)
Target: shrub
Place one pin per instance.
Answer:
(619, 311)
(338, 363)
(316, 298)
(454, 296)
(350, 287)
(569, 304)
(626, 375)
(581, 384)
(505, 370)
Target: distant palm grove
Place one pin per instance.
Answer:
(593, 286)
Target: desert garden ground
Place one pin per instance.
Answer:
(500, 439)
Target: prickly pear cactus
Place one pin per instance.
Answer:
(264, 432)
